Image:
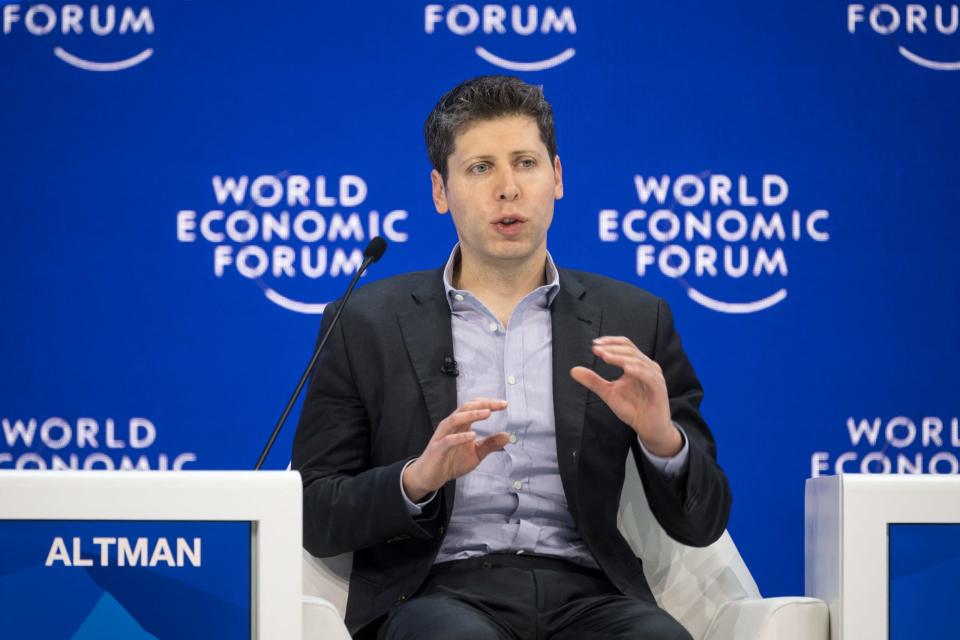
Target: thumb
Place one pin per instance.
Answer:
(590, 379)
(492, 443)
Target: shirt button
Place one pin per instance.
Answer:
(458, 298)
(493, 326)
(518, 485)
(511, 380)
(513, 438)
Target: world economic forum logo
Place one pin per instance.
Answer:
(71, 22)
(84, 443)
(894, 444)
(495, 26)
(725, 239)
(915, 24)
(286, 232)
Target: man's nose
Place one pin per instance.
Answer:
(509, 190)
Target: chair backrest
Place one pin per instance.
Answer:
(689, 583)
(328, 578)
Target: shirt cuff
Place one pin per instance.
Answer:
(415, 508)
(673, 466)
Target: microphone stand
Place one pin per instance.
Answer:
(371, 254)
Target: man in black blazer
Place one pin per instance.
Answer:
(381, 440)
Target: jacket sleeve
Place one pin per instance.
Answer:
(692, 507)
(348, 503)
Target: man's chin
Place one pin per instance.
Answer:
(516, 252)
(506, 250)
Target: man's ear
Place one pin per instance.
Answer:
(439, 192)
(557, 178)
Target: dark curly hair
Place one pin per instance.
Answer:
(484, 98)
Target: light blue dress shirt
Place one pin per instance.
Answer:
(513, 502)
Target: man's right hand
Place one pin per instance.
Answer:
(453, 450)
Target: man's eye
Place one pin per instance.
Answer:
(527, 163)
(480, 167)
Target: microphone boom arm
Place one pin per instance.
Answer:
(371, 254)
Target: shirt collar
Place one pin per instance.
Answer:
(549, 290)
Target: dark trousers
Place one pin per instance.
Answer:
(501, 597)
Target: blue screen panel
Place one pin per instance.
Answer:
(924, 581)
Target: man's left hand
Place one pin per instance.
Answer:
(638, 397)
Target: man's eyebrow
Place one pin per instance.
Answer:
(474, 159)
(519, 152)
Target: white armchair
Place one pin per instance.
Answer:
(709, 590)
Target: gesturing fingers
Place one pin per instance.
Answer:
(468, 413)
(457, 439)
(619, 344)
(611, 340)
(493, 404)
(632, 365)
(620, 354)
(591, 380)
(492, 443)
(460, 421)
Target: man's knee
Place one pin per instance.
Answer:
(664, 627)
(437, 617)
(639, 623)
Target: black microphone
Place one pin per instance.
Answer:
(371, 254)
(449, 366)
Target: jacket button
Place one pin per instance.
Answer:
(402, 597)
(486, 564)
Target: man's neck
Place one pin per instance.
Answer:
(500, 286)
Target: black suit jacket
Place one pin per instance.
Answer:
(378, 393)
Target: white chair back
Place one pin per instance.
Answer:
(689, 583)
(327, 578)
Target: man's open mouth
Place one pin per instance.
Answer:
(509, 221)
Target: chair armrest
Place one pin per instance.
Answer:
(321, 621)
(771, 619)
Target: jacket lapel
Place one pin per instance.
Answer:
(575, 324)
(428, 336)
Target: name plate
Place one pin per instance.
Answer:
(122, 578)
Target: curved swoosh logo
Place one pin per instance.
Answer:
(929, 64)
(293, 305)
(539, 65)
(711, 303)
(89, 65)
(736, 307)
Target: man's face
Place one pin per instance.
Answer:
(500, 190)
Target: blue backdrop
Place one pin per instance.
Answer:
(141, 330)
